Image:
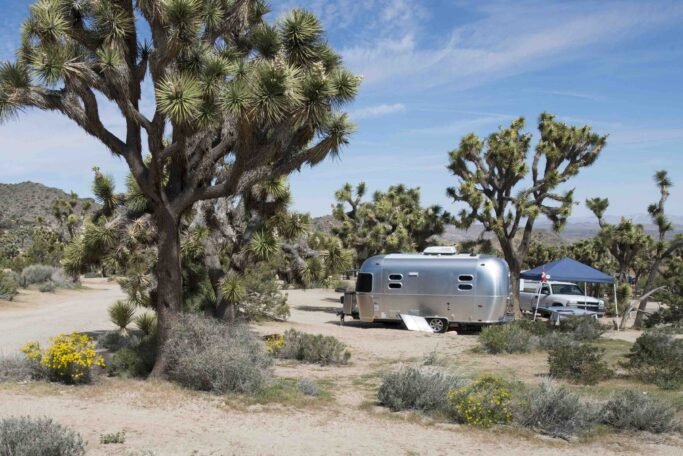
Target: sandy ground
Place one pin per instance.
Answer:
(33, 315)
(167, 420)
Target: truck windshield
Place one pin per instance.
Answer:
(567, 289)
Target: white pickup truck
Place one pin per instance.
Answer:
(557, 294)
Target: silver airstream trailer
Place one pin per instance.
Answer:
(440, 285)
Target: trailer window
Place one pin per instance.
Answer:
(395, 285)
(364, 282)
(466, 278)
(465, 287)
(395, 276)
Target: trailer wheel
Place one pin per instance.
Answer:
(439, 325)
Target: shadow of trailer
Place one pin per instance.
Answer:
(447, 289)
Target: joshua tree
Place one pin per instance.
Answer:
(237, 100)
(663, 250)
(627, 242)
(393, 221)
(635, 250)
(494, 182)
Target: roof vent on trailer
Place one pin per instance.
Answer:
(439, 250)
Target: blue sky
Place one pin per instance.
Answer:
(435, 70)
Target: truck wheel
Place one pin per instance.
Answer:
(439, 325)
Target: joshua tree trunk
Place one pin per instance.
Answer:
(514, 279)
(651, 277)
(169, 292)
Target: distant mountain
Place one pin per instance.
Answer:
(21, 204)
(575, 230)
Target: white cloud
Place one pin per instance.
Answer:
(572, 94)
(464, 126)
(380, 110)
(509, 39)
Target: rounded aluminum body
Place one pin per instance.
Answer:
(461, 288)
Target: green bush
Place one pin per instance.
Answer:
(579, 362)
(135, 358)
(507, 338)
(36, 274)
(554, 410)
(410, 388)
(114, 341)
(9, 285)
(25, 436)
(113, 437)
(657, 357)
(313, 348)
(209, 355)
(483, 403)
(584, 328)
(631, 410)
(536, 327)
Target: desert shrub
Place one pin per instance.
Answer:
(15, 368)
(632, 410)
(313, 348)
(555, 410)
(25, 436)
(433, 358)
(308, 387)
(113, 437)
(536, 327)
(61, 280)
(555, 339)
(579, 362)
(135, 359)
(47, 287)
(657, 357)
(36, 273)
(113, 341)
(274, 343)
(209, 355)
(69, 359)
(508, 338)
(671, 316)
(9, 285)
(483, 403)
(121, 313)
(263, 298)
(582, 328)
(411, 388)
(146, 322)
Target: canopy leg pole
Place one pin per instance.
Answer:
(538, 298)
(616, 304)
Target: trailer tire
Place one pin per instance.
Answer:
(439, 325)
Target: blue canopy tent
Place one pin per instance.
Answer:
(568, 270)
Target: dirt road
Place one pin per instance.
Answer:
(33, 315)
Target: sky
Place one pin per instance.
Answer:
(436, 70)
